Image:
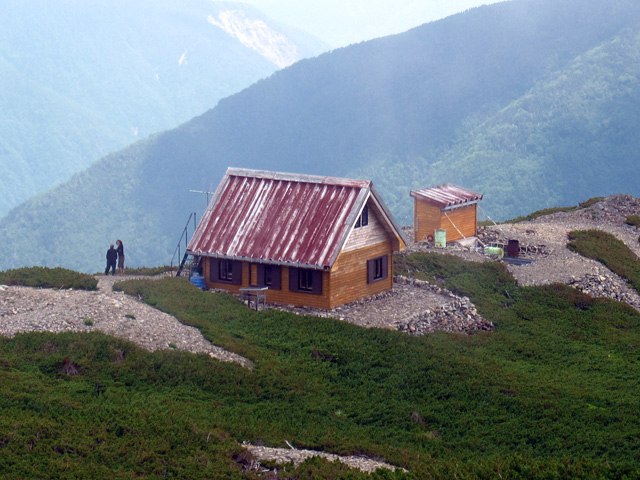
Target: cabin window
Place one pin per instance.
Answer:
(305, 280)
(266, 276)
(363, 219)
(377, 269)
(227, 271)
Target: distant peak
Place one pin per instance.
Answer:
(257, 35)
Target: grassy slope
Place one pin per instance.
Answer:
(552, 391)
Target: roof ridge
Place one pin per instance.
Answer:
(298, 177)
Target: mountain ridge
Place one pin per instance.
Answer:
(83, 79)
(363, 111)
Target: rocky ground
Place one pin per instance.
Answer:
(544, 242)
(24, 309)
(412, 306)
(287, 455)
(554, 262)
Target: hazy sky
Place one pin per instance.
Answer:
(341, 22)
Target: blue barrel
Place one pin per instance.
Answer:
(198, 281)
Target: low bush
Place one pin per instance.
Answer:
(151, 271)
(633, 220)
(590, 202)
(549, 211)
(540, 213)
(45, 277)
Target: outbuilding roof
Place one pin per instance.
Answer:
(447, 195)
(282, 218)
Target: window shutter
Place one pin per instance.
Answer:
(276, 277)
(258, 270)
(385, 267)
(316, 287)
(214, 269)
(236, 268)
(293, 279)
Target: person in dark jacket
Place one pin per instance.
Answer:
(120, 251)
(112, 256)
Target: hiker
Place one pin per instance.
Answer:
(120, 251)
(112, 255)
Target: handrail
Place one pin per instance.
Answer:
(185, 235)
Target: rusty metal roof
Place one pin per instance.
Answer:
(447, 195)
(299, 220)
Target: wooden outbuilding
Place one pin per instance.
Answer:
(314, 241)
(446, 207)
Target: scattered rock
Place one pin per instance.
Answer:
(413, 306)
(285, 455)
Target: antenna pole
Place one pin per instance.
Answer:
(203, 191)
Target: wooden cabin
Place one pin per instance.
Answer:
(446, 207)
(314, 241)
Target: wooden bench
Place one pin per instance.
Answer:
(256, 294)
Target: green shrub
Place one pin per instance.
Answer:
(88, 321)
(590, 202)
(45, 277)
(633, 220)
(151, 271)
(540, 213)
(549, 211)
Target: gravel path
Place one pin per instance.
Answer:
(25, 309)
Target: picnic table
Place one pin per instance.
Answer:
(257, 294)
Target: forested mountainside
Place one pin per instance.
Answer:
(530, 102)
(81, 79)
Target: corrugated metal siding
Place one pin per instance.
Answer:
(447, 195)
(299, 221)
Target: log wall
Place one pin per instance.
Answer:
(283, 296)
(349, 274)
(345, 283)
(368, 235)
(426, 219)
(465, 218)
(429, 218)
